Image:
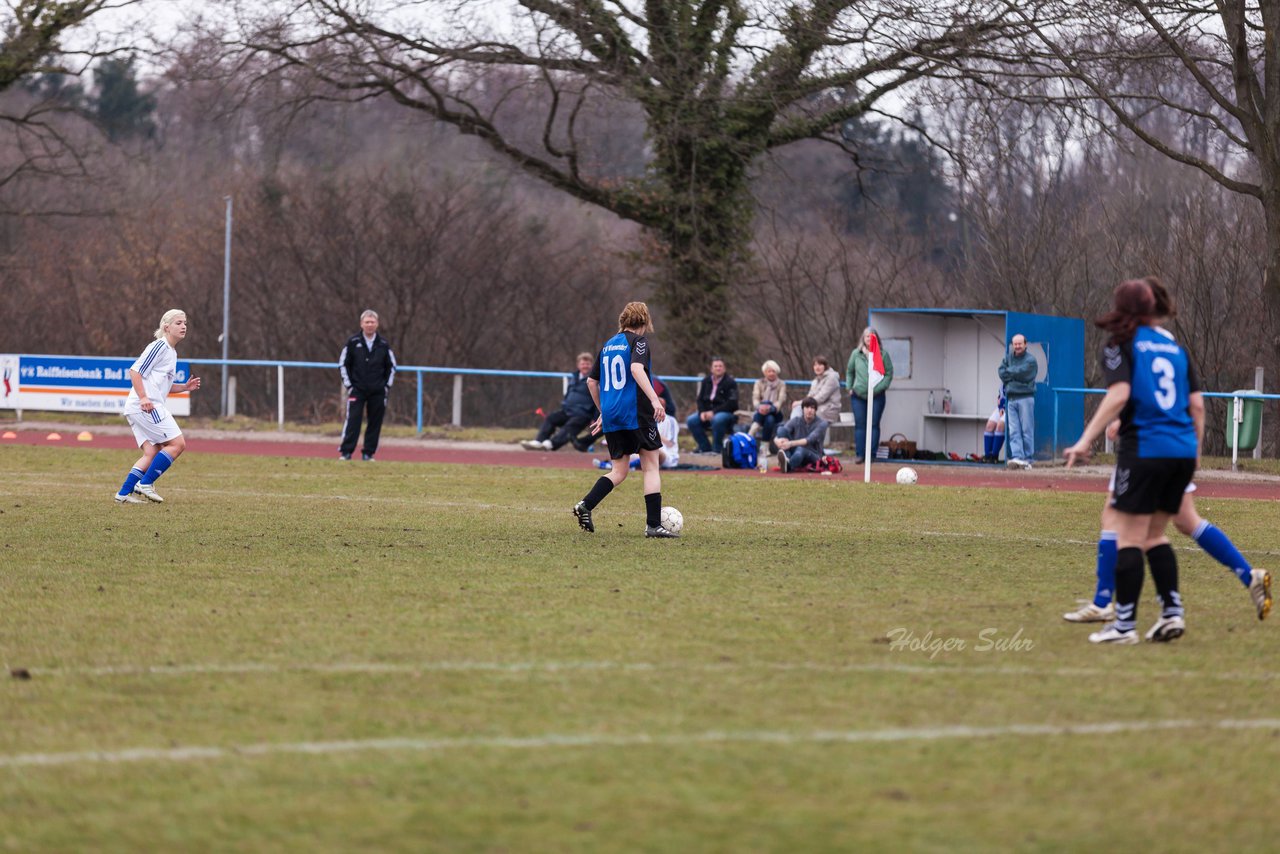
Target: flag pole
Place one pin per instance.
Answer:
(871, 405)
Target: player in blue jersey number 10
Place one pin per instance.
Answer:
(621, 383)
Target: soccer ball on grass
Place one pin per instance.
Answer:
(907, 476)
(672, 520)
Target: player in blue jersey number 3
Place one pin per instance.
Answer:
(1152, 386)
(621, 383)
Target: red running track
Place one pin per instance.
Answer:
(1210, 485)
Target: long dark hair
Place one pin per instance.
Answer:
(1133, 305)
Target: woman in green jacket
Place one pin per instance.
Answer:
(856, 377)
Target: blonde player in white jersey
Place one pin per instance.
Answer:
(151, 378)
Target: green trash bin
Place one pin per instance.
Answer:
(1250, 423)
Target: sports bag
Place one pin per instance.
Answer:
(740, 451)
(901, 448)
(825, 464)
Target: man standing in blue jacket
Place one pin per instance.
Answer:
(576, 411)
(1018, 373)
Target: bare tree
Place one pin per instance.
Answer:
(1029, 202)
(815, 285)
(35, 138)
(1195, 81)
(719, 83)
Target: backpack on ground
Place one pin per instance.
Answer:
(740, 451)
(831, 464)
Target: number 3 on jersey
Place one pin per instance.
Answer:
(1166, 393)
(614, 373)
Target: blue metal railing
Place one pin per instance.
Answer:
(458, 373)
(1251, 395)
(418, 370)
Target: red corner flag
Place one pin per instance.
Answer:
(875, 371)
(875, 362)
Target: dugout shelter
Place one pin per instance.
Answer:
(959, 350)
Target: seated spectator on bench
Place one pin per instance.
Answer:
(799, 441)
(576, 411)
(717, 408)
(825, 389)
(668, 402)
(768, 402)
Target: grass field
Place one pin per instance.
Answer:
(302, 655)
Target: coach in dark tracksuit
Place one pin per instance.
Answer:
(368, 369)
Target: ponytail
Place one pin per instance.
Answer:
(1134, 305)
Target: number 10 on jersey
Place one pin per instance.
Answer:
(613, 373)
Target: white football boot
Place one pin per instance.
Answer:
(1091, 613)
(148, 492)
(1167, 629)
(1110, 634)
(1260, 592)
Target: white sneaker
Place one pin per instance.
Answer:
(1260, 591)
(1013, 464)
(547, 446)
(1166, 629)
(1091, 613)
(1111, 634)
(127, 499)
(1027, 465)
(149, 492)
(531, 445)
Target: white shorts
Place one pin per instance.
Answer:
(156, 426)
(997, 415)
(1111, 487)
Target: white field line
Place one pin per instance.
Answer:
(782, 738)
(557, 667)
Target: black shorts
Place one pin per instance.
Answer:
(1144, 486)
(624, 443)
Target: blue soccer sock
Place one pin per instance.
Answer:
(135, 475)
(997, 443)
(1221, 549)
(159, 465)
(1106, 589)
(988, 443)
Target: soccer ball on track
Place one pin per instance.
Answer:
(672, 520)
(907, 476)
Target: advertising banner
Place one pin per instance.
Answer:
(76, 384)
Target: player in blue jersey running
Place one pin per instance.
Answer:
(1153, 388)
(630, 410)
(1208, 536)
